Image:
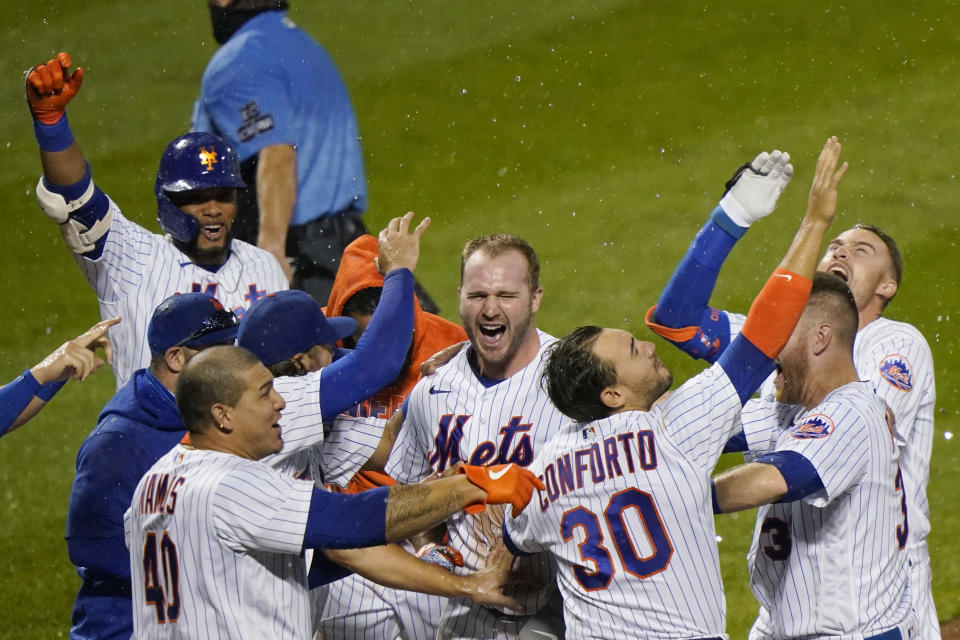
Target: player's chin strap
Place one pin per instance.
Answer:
(78, 237)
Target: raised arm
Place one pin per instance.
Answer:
(682, 314)
(778, 307)
(379, 355)
(66, 192)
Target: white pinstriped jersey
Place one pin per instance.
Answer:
(895, 358)
(627, 514)
(453, 417)
(833, 563)
(215, 544)
(308, 452)
(139, 269)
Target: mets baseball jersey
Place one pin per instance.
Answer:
(453, 417)
(326, 456)
(832, 563)
(138, 269)
(215, 542)
(627, 514)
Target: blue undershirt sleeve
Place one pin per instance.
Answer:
(379, 355)
(14, 398)
(746, 366)
(799, 473)
(346, 521)
(737, 443)
(323, 571)
(684, 301)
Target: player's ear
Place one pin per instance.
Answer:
(612, 397)
(887, 289)
(221, 414)
(536, 298)
(175, 359)
(822, 338)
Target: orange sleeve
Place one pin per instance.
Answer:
(681, 334)
(776, 310)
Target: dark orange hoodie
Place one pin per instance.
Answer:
(431, 333)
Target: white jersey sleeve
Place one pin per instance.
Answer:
(346, 448)
(257, 509)
(701, 416)
(835, 438)
(895, 358)
(409, 461)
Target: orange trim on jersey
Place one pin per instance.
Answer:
(670, 333)
(185, 439)
(776, 310)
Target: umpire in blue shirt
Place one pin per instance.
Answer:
(275, 94)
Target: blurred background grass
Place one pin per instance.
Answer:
(601, 131)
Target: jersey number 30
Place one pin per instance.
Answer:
(165, 595)
(617, 520)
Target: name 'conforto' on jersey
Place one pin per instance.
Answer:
(598, 462)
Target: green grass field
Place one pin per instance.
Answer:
(601, 131)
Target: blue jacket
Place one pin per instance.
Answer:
(136, 427)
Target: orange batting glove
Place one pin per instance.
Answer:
(49, 88)
(503, 483)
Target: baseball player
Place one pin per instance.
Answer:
(130, 269)
(626, 511)
(892, 355)
(356, 607)
(486, 406)
(216, 536)
(28, 393)
(828, 556)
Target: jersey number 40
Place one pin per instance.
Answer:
(616, 518)
(165, 595)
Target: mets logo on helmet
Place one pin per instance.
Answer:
(208, 157)
(896, 370)
(815, 426)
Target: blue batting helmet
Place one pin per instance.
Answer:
(192, 161)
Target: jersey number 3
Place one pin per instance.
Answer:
(618, 523)
(165, 595)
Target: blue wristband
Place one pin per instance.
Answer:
(47, 391)
(31, 381)
(53, 137)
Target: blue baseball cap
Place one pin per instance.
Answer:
(286, 323)
(190, 320)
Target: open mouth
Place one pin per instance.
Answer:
(213, 232)
(491, 333)
(839, 271)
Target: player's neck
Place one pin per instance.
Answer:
(828, 375)
(525, 354)
(871, 312)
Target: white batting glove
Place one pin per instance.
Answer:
(753, 191)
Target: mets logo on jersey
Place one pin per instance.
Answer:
(813, 427)
(896, 370)
(208, 158)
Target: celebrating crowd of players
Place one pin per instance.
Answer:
(250, 478)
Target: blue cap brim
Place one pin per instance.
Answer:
(214, 337)
(342, 327)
